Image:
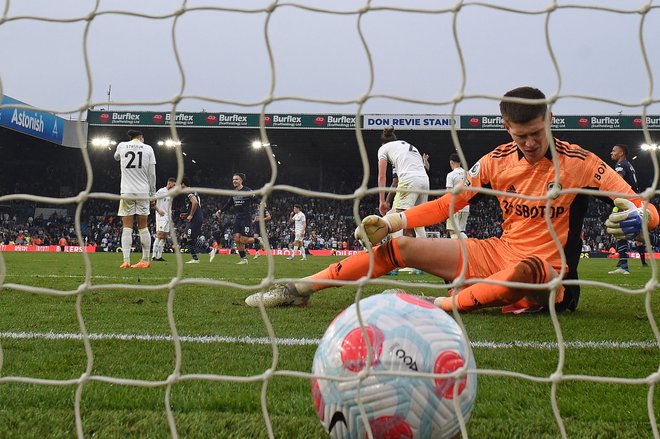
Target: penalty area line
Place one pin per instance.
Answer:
(213, 339)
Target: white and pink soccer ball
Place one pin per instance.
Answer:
(407, 334)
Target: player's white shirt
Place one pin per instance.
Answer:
(165, 203)
(456, 178)
(138, 167)
(299, 221)
(405, 158)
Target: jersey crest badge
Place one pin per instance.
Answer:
(474, 170)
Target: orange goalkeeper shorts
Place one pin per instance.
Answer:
(486, 257)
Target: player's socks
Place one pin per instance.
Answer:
(482, 295)
(154, 249)
(420, 232)
(622, 249)
(145, 239)
(295, 250)
(241, 253)
(158, 248)
(126, 242)
(455, 236)
(387, 257)
(642, 253)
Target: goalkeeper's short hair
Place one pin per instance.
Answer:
(522, 113)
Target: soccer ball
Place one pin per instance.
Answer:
(407, 335)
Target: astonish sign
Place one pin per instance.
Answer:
(36, 123)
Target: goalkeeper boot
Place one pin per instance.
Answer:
(125, 265)
(256, 255)
(279, 296)
(243, 261)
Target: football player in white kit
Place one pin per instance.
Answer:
(138, 181)
(163, 209)
(410, 170)
(454, 179)
(300, 221)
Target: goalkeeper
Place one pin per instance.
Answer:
(526, 251)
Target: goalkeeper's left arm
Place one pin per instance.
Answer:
(629, 216)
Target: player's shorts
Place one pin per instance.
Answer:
(486, 257)
(162, 223)
(242, 226)
(403, 201)
(193, 230)
(256, 230)
(299, 235)
(461, 221)
(134, 207)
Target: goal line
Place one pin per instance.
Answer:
(213, 339)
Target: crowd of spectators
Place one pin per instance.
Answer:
(330, 223)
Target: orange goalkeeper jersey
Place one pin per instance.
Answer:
(524, 228)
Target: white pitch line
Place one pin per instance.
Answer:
(208, 339)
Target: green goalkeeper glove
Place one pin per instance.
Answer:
(375, 228)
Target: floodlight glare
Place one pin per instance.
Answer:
(102, 142)
(256, 144)
(170, 143)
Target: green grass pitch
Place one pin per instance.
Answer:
(38, 340)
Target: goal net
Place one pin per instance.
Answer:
(86, 349)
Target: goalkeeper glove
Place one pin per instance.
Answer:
(375, 228)
(626, 220)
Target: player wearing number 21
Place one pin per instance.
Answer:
(536, 189)
(138, 183)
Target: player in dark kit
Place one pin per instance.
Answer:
(194, 220)
(624, 168)
(242, 206)
(258, 240)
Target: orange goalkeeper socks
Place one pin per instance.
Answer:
(481, 295)
(387, 257)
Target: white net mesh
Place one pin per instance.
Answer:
(370, 57)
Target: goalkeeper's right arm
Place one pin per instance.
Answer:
(375, 228)
(433, 212)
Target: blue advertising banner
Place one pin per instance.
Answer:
(39, 124)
